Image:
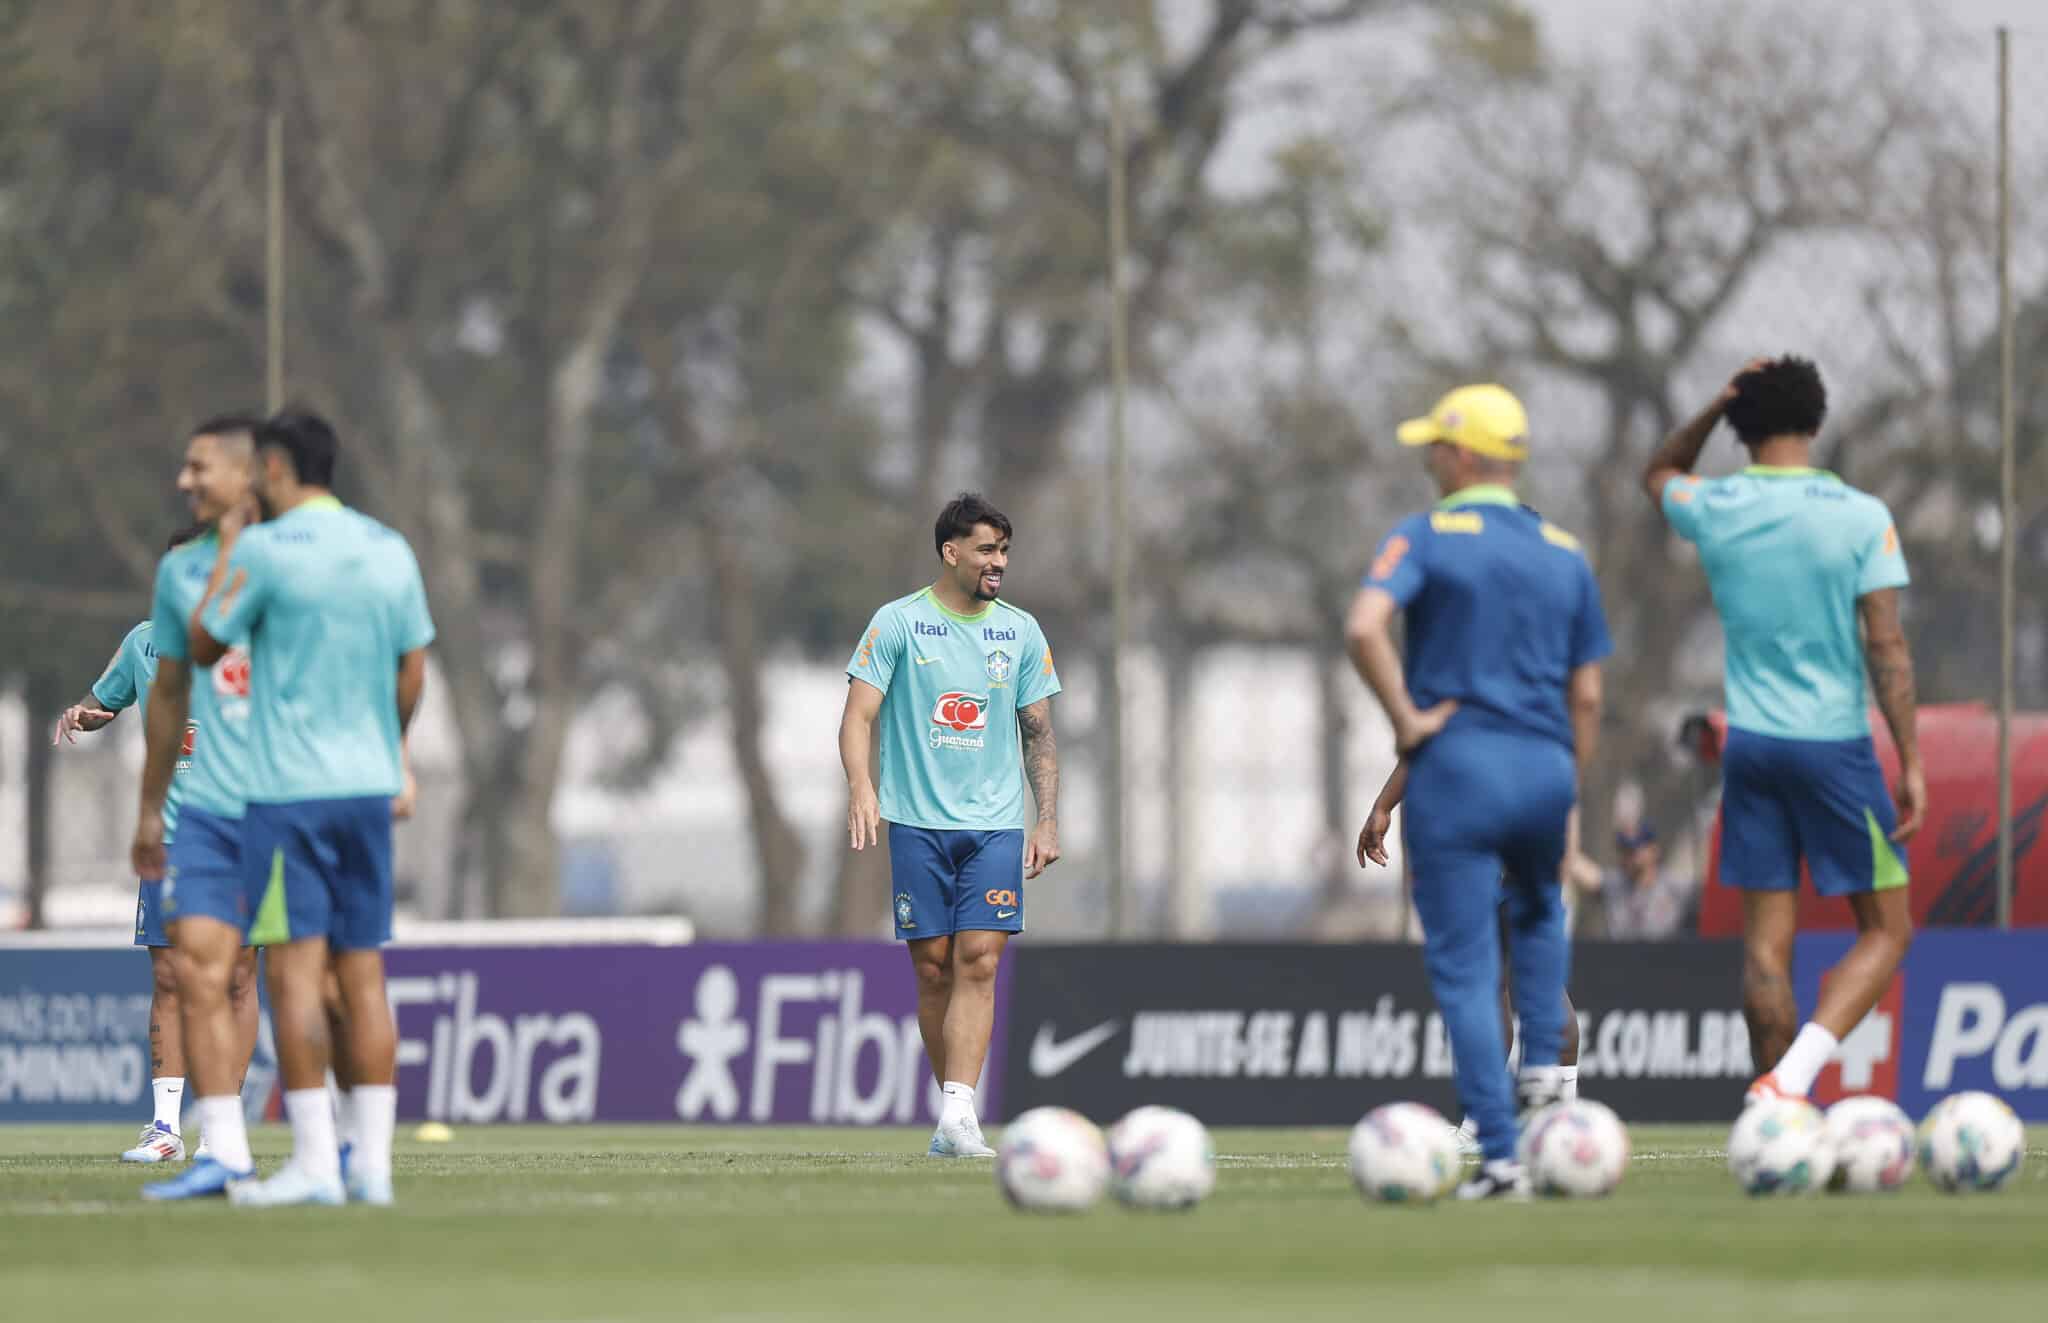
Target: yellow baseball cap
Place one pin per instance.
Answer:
(1487, 420)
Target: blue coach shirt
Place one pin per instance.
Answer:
(1501, 608)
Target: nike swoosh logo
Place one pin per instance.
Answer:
(1050, 1057)
(1006, 914)
(924, 661)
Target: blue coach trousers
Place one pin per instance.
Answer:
(1486, 809)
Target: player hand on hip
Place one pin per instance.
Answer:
(79, 717)
(1912, 799)
(147, 853)
(863, 817)
(1372, 837)
(1041, 849)
(1417, 728)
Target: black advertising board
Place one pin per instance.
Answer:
(1320, 1034)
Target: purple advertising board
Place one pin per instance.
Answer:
(789, 1033)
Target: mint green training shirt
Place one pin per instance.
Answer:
(214, 775)
(329, 600)
(1787, 552)
(951, 687)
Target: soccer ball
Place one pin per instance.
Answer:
(1052, 1160)
(1971, 1141)
(1160, 1157)
(1779, 1146)
(1577, 1149)
(1404, 1153)
(1871, 1141)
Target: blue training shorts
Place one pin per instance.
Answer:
(204, 876)
(319, 868)
(1821, 800)
(956, 881)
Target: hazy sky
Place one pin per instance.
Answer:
(1571, 23)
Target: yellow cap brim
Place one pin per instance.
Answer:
(1419, 432)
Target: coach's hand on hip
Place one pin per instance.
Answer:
(1413, 728)
(1041, 848)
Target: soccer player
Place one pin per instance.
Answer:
(125, 684)
(333, 607)
(1372, 846)
(1805, 572)
(954, 674)
(200, 898)
(1495, 715)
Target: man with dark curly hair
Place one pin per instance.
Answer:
(1805, 572)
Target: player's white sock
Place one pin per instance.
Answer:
(1469, 1127)
(1568, 1083)
(1544, 1081)
(1805, 1058)
(220, 1120)
(956, 1101)
(346, 1130)
(170, 1099)
(313, 1145)
(376, 1110)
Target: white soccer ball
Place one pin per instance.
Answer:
(1871, 1142)
(1404, 1153)
(1052, 1160)
(1779, 1146)
(1160, 1157)
(1576, 1149)
(1971, 1141)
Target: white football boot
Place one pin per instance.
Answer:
(159, 1143)
(291, 1185)
(960, 1138)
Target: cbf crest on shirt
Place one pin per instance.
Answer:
(951, 688)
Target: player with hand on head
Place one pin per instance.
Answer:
(1495, 712)
(953, 674)
(1805, 572)
(335, 612)
(125, 684)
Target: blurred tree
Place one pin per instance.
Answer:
(512, 195)
(110, 272)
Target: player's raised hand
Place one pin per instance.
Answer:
(146, 856)
(79, 717)
(1372, 837)
(863, 817)
(1041, 849)
(1912, 799)
(1425, 726)
(1733, 388)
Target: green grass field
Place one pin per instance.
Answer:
(617, 1223)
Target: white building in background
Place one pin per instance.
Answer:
(1253, 848)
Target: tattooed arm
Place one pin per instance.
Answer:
(1891, 677)
(1042, 767)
